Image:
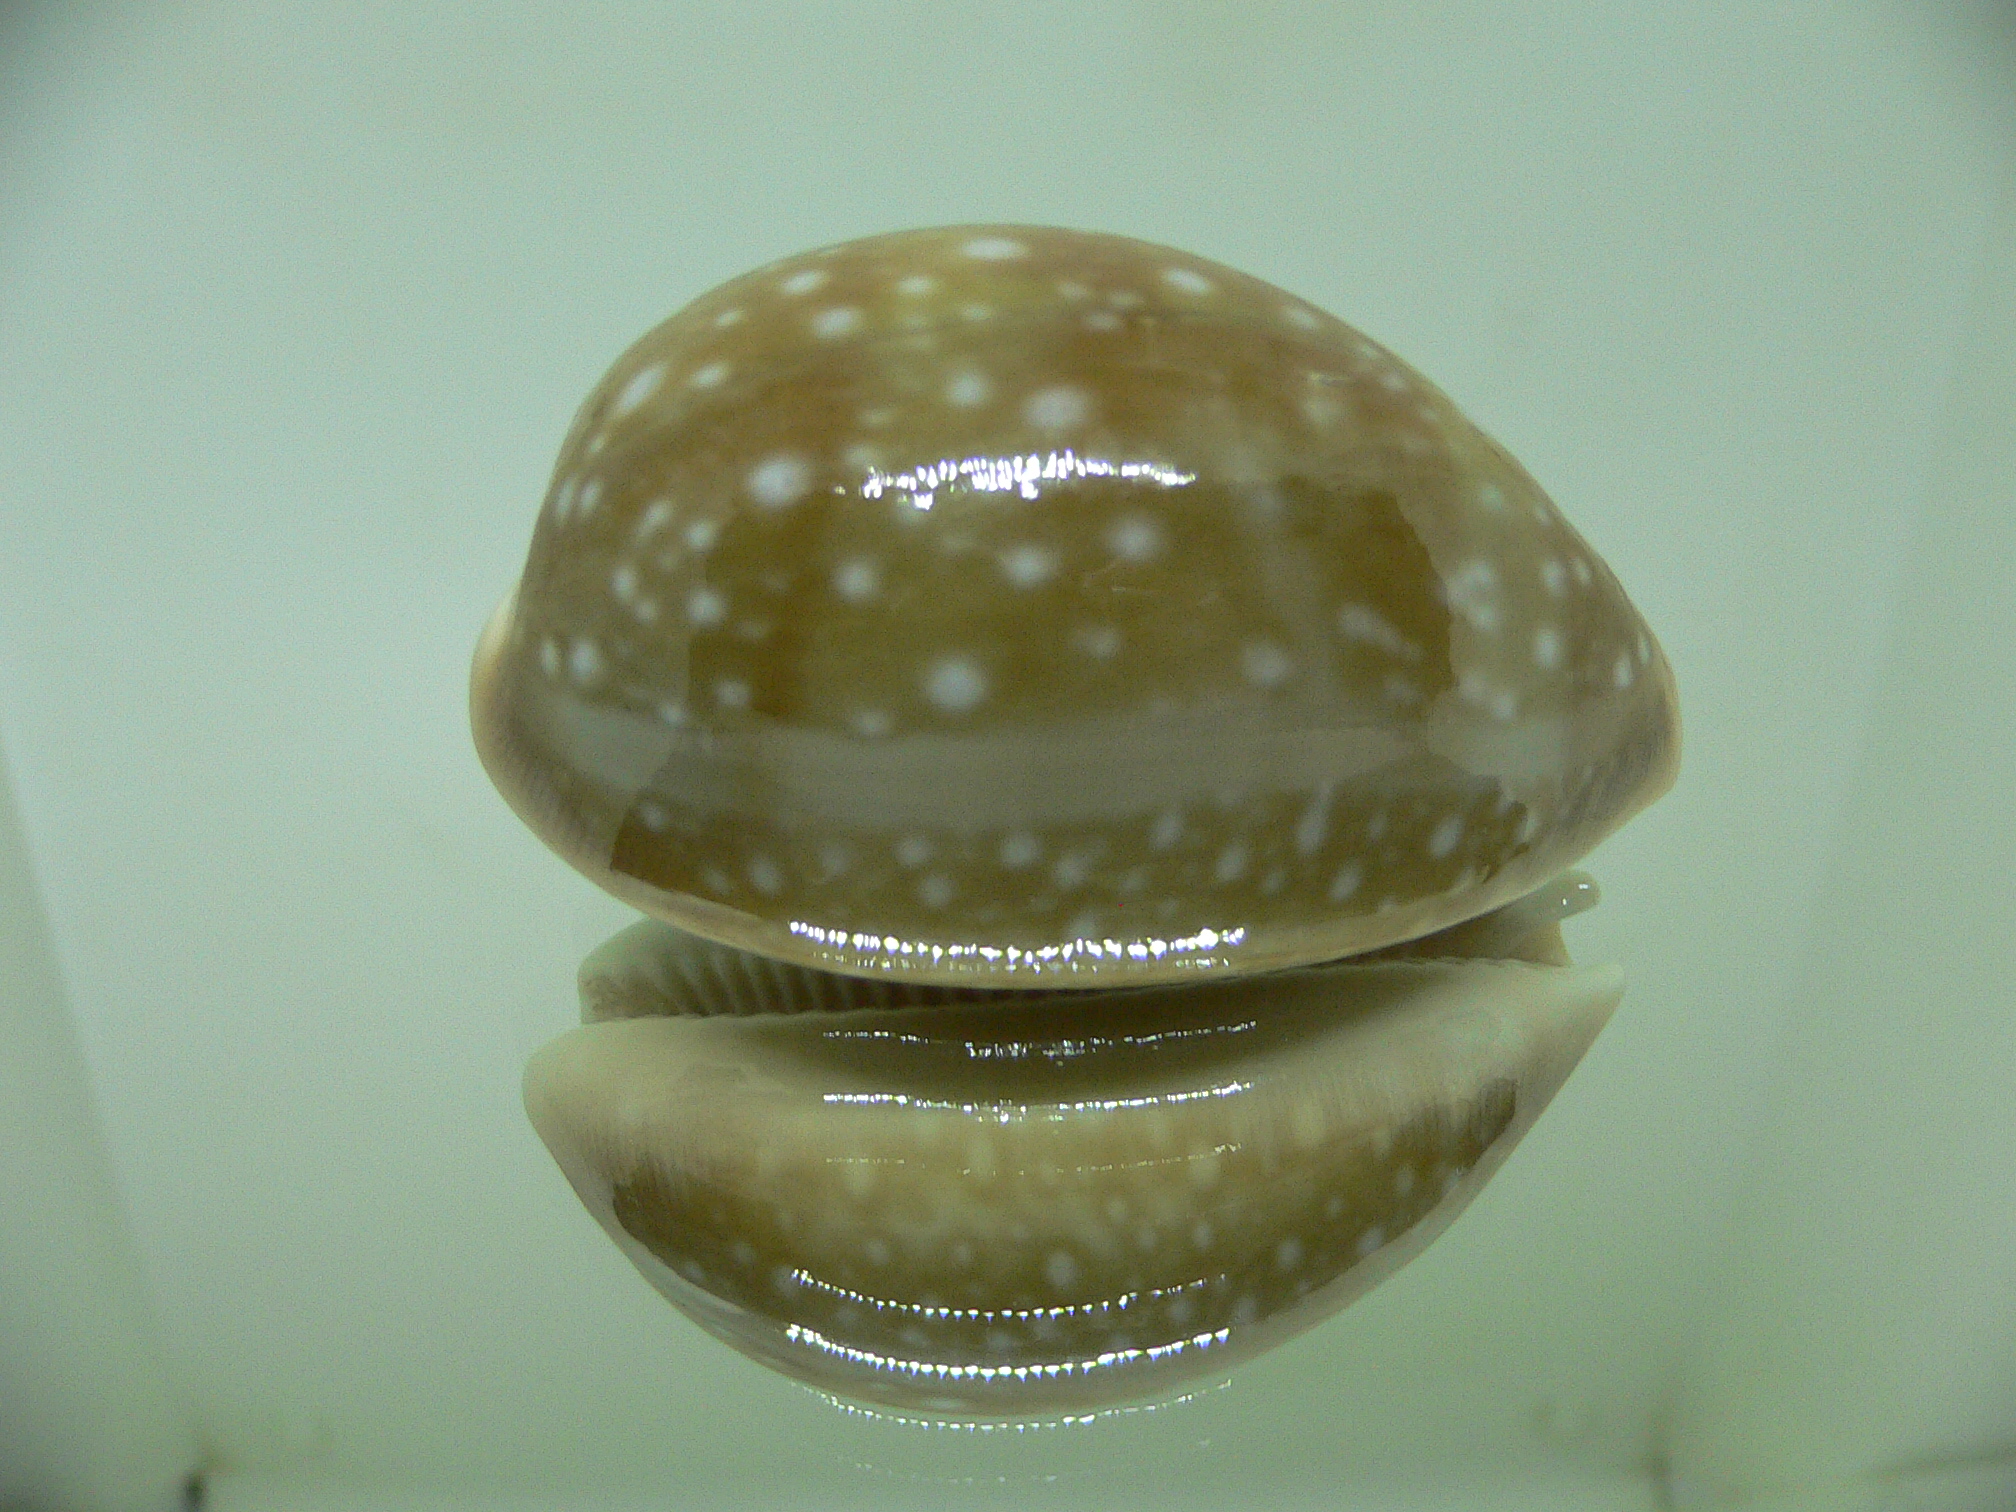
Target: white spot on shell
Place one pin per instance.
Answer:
(1472, 592)
(1135, 538)
(1554, 576)
(1019, 848)
(870, 724)
(1369, 627)
(1322, 410)
(1060, 1269)
(1264, 664)
(1028, 565)
(764, 876)
(1187, 281)
(1622, 673)
(1301, 316)
(1287, 1254)
(1102, 320)
(1547, 647)
(916, 285)
(1476, 688)
(969, 389)
(732, 693)
(779, 481)
(955, 685)
(584, 661)
(700, 535)
(1231, 865)
(913, 851)
(935, 891)
(1057, 408)
(1346, 881)
(1443, 840)
(1373, 1239)
(858, 579)
(1166, 830)
(1314, 824)
(706, 607)
(804, 281)
(994, 248)
(727, 318)
(642, 385)
(711, 375)
(655, 517)
(840, 320)
(1100, 642)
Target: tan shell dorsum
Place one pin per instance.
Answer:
(1016, 606)
(1011, 1207)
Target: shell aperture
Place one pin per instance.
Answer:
(1014, 669)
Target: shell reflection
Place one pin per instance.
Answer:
(1100, 742)
(1002, 1208)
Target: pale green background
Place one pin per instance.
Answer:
(295, 303)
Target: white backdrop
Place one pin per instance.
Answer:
(295, 304)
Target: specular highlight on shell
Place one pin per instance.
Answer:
(1016, 668)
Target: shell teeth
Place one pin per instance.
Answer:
(1005, 1210)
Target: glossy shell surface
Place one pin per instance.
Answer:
(985, 1206)
(1025, 607)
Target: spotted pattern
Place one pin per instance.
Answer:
(964, 529)
(1191, 868)
(1128, 1268)
(1001, 1198)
